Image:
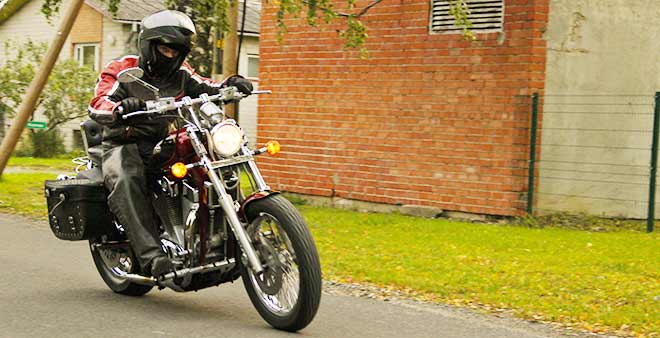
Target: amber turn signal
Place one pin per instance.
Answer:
(179, 170)
(273, 147)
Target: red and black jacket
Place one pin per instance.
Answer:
(109, 92)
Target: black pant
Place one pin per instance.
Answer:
(130, 199)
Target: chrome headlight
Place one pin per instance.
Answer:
(227, 139)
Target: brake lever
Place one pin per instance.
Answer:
(124, 117)
(142, 112)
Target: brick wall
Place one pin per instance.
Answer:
(428, 119)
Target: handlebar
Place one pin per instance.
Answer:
(167, 104)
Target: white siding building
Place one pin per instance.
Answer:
(98, 36)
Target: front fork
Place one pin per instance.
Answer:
(227, 203)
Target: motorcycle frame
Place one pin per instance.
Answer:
(229, 207)
(226, 201)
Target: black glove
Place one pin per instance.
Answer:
(244, 86)
(129, 105)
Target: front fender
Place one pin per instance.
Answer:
(254, 197)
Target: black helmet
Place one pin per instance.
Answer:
(171, 28)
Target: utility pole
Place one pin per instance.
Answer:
(37, 85)
(230, 48)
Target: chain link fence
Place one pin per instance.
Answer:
(596, 154)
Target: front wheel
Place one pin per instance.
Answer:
(287, 294)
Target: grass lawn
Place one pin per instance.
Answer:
(23, 193)
(604, 282)
(35, 163)
(596, 281)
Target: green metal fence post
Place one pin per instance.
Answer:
(532, 154)
(654, 164)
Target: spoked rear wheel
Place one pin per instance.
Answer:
(287, 294)
(117, 254)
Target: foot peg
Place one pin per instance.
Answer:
(160, 266)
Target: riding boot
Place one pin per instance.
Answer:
(130, 200)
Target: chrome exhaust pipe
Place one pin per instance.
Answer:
(138, 279)
(225, 265)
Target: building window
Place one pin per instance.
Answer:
(485, 16)
(87, 54)
(253, 66)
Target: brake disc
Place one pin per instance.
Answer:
(270, 281)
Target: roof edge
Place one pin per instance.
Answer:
(98, 8)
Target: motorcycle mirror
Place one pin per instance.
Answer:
(133, 74)
(129, 75)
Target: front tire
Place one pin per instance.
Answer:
(120, 255)
(288, 294)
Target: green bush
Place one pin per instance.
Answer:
(68, 91)
(23, 151)
(46, 144)
(24, 146)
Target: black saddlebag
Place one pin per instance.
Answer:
(77, 209)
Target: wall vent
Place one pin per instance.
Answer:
(485, 15)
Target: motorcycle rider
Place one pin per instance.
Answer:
(164, 42)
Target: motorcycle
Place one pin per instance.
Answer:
(218, 219)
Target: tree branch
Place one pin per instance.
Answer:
(346, 15)
(57, 122)
(366, 9)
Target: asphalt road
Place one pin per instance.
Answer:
(50, 288)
